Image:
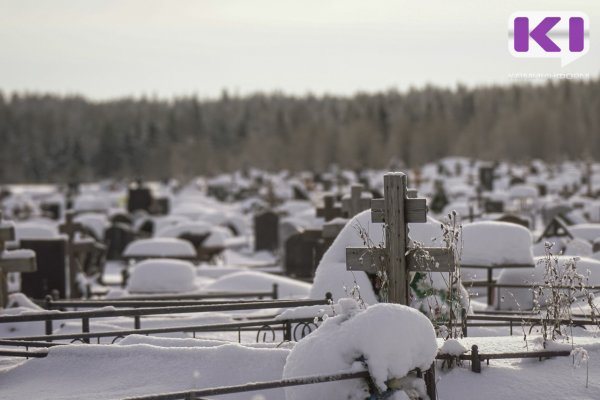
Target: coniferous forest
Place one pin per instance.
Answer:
(50, 138)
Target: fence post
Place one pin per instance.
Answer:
(124, 277)
(137, 323)
(85, 328)
(430, 382)
(275, 291)
(287, 331)
(475, 361)
(490, 289)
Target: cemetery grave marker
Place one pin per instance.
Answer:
(557, 228)
(486, 177)
(266, 231)
(356, 203)
(396, 211)
(139, 198)
(87, 249)
(303, 252)
(330, 210)
(116, 238)
(11, 261)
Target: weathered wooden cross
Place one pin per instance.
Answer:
(329, 210)
(396, 210)
(70, 228)
(12, 261)
(356, 203)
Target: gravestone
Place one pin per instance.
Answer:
(117, 237)
(439, 200)
(51, 271)
(85, 255)
(302, 252)
(51, 210)
(355, 203)
(486, 177)
(330, 210)
(139, 198)
(396, 211)
(266, 231)
(493, 206)
(160, 206)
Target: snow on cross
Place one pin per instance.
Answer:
(396, 210)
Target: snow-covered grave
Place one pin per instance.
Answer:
(160, 248)
(492, 247)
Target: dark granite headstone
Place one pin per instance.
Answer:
(51, 210)
(116, 238)
(139, 198)
(486, 178)
(266, 231)
(51, 271)
(493, 206)
(303, 251)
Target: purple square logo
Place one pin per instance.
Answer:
(551, 34)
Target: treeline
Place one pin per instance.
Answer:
(47, 138)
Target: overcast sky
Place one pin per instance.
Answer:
(107, 49)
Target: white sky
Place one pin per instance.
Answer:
(113, 48)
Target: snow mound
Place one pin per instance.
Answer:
(138, 370)
(195, 228)
(162, 275)
(33, 231)
(490, 243)
(453, 347)
(522, 298)
(97, 223)
(343, 342)
(589, 232)
(160, 247)
(255, 281)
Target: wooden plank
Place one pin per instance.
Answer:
(377, 210)
(440, 259)
(24, 264)
(416, 210)
(365, 259)
(394, 196)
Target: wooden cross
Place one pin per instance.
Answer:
(329, 210)
(356, 202)
(418, 179)
(11, 261)
(396, 210)
(70, 228)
